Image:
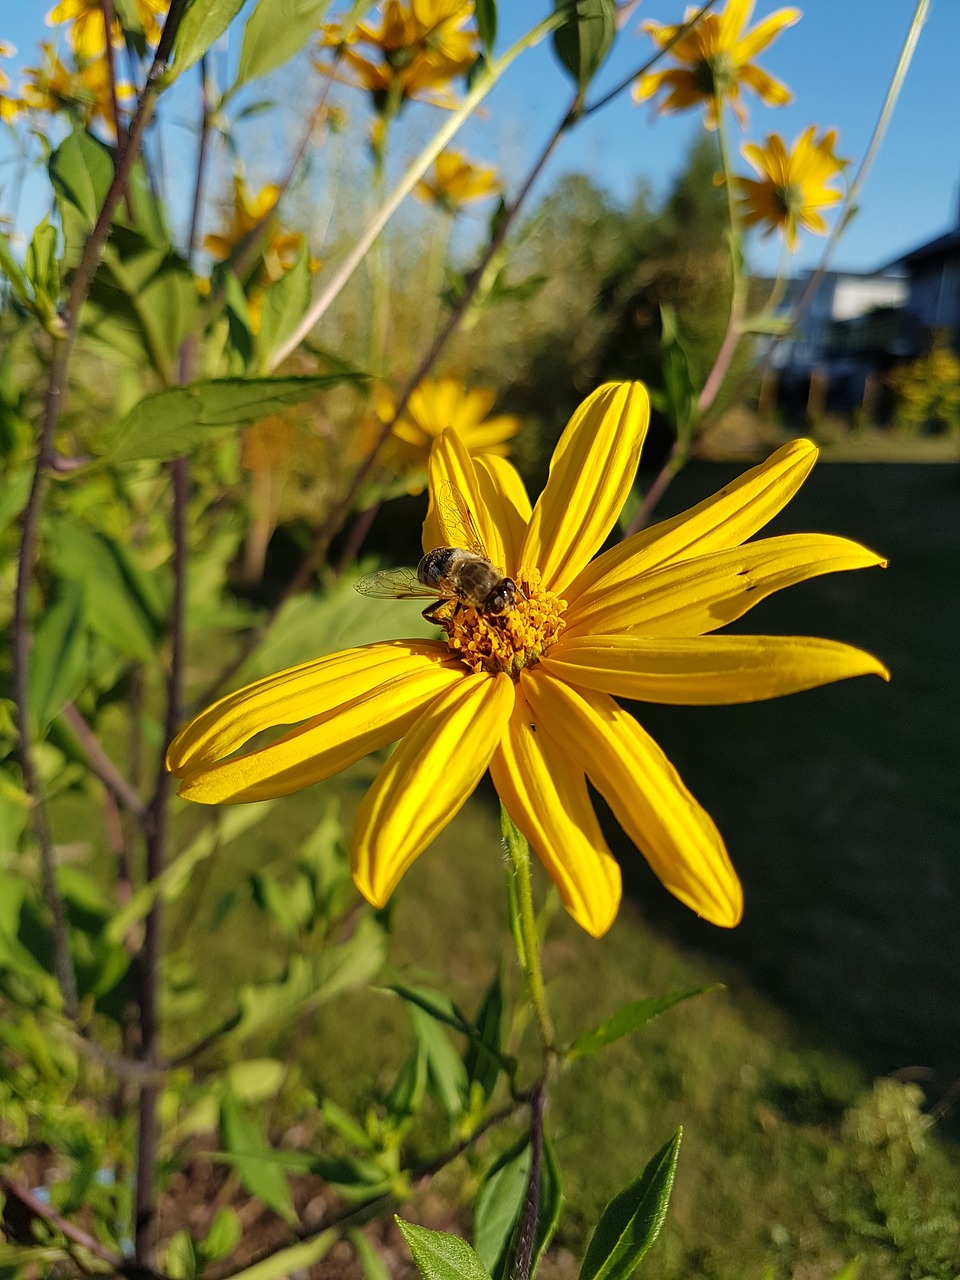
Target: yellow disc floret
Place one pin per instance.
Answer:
(508, 641)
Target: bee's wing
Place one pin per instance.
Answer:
(457, 521)
(394, 584)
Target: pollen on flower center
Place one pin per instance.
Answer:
(508, 641)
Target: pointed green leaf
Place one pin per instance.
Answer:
(223, 1237)
(293, 1261)
(284, 304)
(445, 1070)
(629, 1019)
(371, 1262)
(632, 1220)
(275, 31)
(498, 1204)
(12, 269)
(170, 423)
(57, 661)
(484, 1056)
(486, 11)
(203, 24)
(584, 39)
(440, 1256)
(252, 1157)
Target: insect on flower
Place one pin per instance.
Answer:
(462, 574)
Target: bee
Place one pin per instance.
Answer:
(463, 574)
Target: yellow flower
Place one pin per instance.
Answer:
(84, 91)
(444, 403)
(418, 48)
(9, 107)
(793, 184)
(717, 58)
(87, 34)
(529, 694)
(280, 248)
(454, 182)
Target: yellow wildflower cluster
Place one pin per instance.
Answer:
(454, 181)
(83, 91)
(715, 61)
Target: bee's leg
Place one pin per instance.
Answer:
(431, 609)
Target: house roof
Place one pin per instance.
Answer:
(941, 247)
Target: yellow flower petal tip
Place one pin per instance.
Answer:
(526, 686)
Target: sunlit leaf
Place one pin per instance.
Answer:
(632, 1220)
(284, 304)
(441, 1256)
(57, 663)
(486, 11)
(262, 1176)
(203, 24)
(275, 31)
(289, 1262)
(171, 422)
(629, 1019)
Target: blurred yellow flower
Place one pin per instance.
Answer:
(87, 34)
(417, 49)
(717, 59)
(793, 184)
(280, 248)
(84, 91)
(442, 403)
(10, 108)
(454, 182)
(528, 692)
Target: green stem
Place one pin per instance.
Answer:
(525, 925)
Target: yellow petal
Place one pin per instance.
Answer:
(450, 463)
(725, 520)
(691, 597)
(765, 33)
(326, 744)
(546, 795)
(426, 781)
(294, 695)
(503, 492)
(706, 670)
(674, 833)
(593, 468)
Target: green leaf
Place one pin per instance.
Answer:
(284, 304)
(256, 1079)
(81, 170)
(203, 24)
(152, 290)
(498, 1204)
(275, 31)
(223, 1237)
(629, 1019)
(441, 1256)
(43, 269)
(483, 1058)
(252, 1156)
(407, 1092)
(114, 603)
(486, 11)
(170, 423)
(367, 1256)
(298, 1258)
(14, 272)
(181, 1261)
(584, 39)
(632, 1220)
(57, 662)
(445, 1070)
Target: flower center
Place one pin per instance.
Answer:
(790, 199)
(508, 641)
(714, 75)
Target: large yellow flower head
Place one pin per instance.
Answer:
(717, 58)
(529, 693)
(792, 188)
(416, 50)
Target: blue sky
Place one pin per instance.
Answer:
(837, 61)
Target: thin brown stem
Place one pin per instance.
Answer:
(531, 1200)
(41, 1209)
(100, 762)
(201, 160)
(30, 523)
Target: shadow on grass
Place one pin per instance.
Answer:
(841, 806)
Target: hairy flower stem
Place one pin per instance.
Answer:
(524, 926)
